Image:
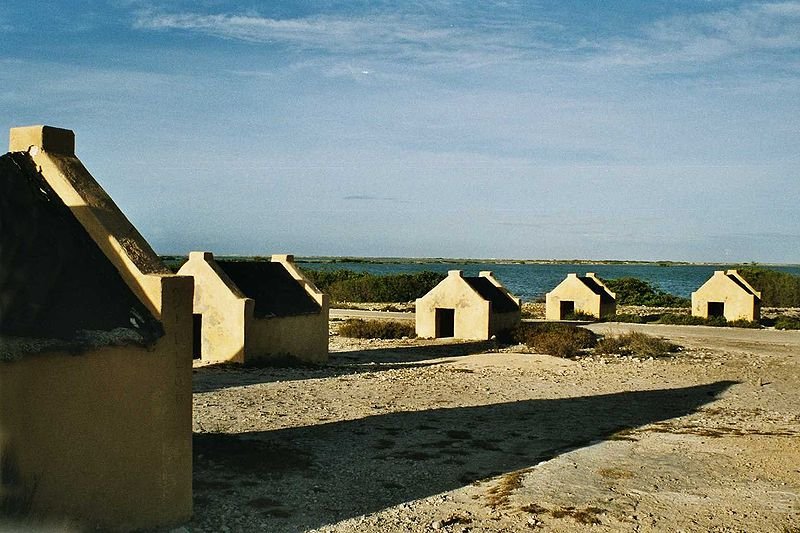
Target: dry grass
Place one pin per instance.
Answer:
(635, 344)
(561, 340)
(499, 495)
(376, 329)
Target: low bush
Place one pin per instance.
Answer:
(376, 329)
(743, 324)
(634, 291)
(717, 321)
(787, 322)
(630, 318)
(350, 286)
(580, 315)
(687, 320)
(635, 344)
(561, 340)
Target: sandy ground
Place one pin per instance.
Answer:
(416, 435)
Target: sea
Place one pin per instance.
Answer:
(530, 281)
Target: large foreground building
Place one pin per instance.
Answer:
(95, 352)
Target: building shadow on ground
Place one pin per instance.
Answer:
(345, 469)
(219, 376)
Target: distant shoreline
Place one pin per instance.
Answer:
(471, 261)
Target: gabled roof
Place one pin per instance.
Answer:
(735, 277)
(596, 288)
(501, 302)
(55, 281)
(271, 286)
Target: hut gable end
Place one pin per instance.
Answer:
(55, 280)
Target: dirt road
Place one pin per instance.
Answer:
(422, 436)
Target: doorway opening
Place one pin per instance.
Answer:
(445, 323)
(197, 335)
(566, 309)
(716, 309)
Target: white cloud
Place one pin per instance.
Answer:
(698, 39)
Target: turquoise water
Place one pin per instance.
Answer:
(530, 282)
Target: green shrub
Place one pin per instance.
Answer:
(778, 289)
(684, 320)
(561, 340)
(787, 322)
(633, 291)
(743, 324)
(376, 329)
(631, 318)
(580, 315)
(349, 286)
(635, 344)
(717, 321)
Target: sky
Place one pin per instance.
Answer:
(524, 130)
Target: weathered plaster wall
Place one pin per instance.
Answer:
(471, 311)
(302, 337)
(103, 436)
(226, 311)
(740, 303)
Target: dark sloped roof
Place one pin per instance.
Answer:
(596, 288)
(501, 302)
(738, 282)
(55, 282)
(275, 291)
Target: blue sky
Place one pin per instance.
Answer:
(560, 129)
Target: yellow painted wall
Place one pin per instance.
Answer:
(740, 304)
(226, 311)
(303, 337)
(105, 437)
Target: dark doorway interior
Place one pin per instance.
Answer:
(567, 308)
(716, 309)
(197, 335)
(445, 323)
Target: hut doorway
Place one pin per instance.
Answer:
(566, 309)
(445, 322)
(197, 335)
(716, 309)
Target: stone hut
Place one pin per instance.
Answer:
(95, 352)
(463, 307)
(727, 294)
(256, 311)
(585, 294)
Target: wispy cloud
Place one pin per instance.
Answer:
(388, 36)
(467, 39)
(370, 198)
(708, 37)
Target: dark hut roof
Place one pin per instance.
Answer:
(738, 282)
(596, 288)
(55, 281)
(501, 302)
(275, 291)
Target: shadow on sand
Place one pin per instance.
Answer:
(345, 469)
(214, 377)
